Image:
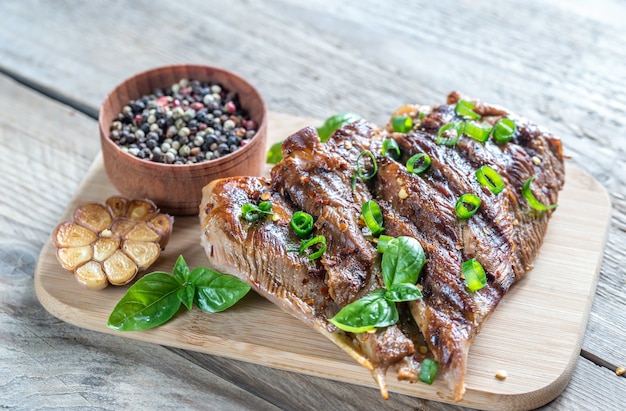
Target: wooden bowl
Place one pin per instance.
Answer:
(176, 188)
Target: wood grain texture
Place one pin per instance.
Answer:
(551, 318)
(559, 63)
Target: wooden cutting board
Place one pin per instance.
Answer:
(535, 334)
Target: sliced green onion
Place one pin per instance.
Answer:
(359, 172)
(461, 207)
(424, 162)
(532, 201)
(383, 240)
(390, 148)
(251, 212)
(477, 131)
(320, 239)
(372, 216)
(444, 137)
(428, 371)
(265, 206)
(488, 177)
(474, 275)
(301, 223)
(504, 130)
(422, 115)
(401, 124)
(465, 108)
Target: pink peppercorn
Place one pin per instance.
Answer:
(196, 106)
(230, 107)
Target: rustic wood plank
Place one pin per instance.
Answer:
(557, 63)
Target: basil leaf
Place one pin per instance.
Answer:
(216, 292)
(367, 313)
(275, 154)
(403, 292)
(150, 302)
(332, 123)
(181, 270)
(402, 261)
(186, 294)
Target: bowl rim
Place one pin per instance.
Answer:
(221, 161)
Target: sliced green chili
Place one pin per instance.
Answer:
(444, 137)
(462, 209)
(422, 159)
(401, 124)
(477, 131)
(465, 109)
(265, 206)
(488, 177)
(251, 212)
(474, 275)
(532, 201)
(301, 223)
(320, 239)
(428, 371)
(504, 130)
(372, 216)
(391, 149)
(359, 172)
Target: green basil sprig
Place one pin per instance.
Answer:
(275, 154)
(401, 266)
(156, 297)
(332, 123)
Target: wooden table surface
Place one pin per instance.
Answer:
(562, 64)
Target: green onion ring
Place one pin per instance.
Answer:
(320, 239)
(424, 160)
(358, 165)
(532, 201)
(251, 212)
(446, 128)
(401, 124)
(504, 130)
(383, 240)
(488, 177)
(390, 147)
(470, 199)
(465, 108)
(476, 131)
(474, 275)
(301, 223)
(372, 216)
(265, 206)
(428, 371)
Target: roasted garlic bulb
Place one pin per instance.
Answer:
(111, 242)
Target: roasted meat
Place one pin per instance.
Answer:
(504, 235)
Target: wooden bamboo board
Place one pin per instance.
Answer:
(535, 334)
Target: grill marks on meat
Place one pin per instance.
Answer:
(504, 236)
(320, 183)
(258, 253)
